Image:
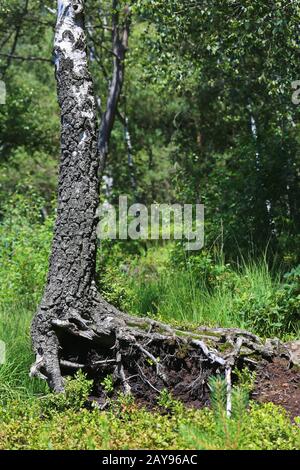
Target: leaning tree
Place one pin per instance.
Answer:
(74, 327)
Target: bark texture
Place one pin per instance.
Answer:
(72, 263)
(75, 328)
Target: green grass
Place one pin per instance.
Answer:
(187, 297)
(180, 297)
(14, 374)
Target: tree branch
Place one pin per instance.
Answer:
(120, 46)
(32, 59)
(16, 38)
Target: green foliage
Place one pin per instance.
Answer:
(122, 406)
(125, 426)
(25, 245)
(206, 74)
(75, 396)
(15, 382)
(108, 384)
(261, 427)
(235, 146)
(245, 379)
(209, 266)
(28, 174)
(171, 405)
(24, 250)
(113, 286)
(276, 312)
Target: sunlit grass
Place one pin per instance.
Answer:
(15, 332)
(183, 296)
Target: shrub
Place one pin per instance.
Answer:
(75, 396)
(277, 312)
(208, 267)
(125, 426)
(266, 427)
(25, 245)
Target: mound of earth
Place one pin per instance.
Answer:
(278, 383)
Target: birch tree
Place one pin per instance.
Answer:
(74, 327)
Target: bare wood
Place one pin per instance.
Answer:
(228, 391)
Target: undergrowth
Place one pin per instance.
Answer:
(161, 282)
(66, 423)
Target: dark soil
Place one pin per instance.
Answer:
(186, 382)
(275, 382)
(279, 384)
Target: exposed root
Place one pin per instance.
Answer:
(209, 354)
(228, 390)
(35, 370)
(145, 356)
(121, 373)
(146, 381)
(47, 366)
(75, 330)
(159, 368)
(71, 365)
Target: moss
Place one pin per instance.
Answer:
(224, 347)
(139, 325)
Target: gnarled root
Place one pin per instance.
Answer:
(145, 356)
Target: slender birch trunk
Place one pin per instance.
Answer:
(73, 257)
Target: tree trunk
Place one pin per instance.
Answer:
(72, 265)
(75, 328)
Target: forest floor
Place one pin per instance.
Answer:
(276, 382)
